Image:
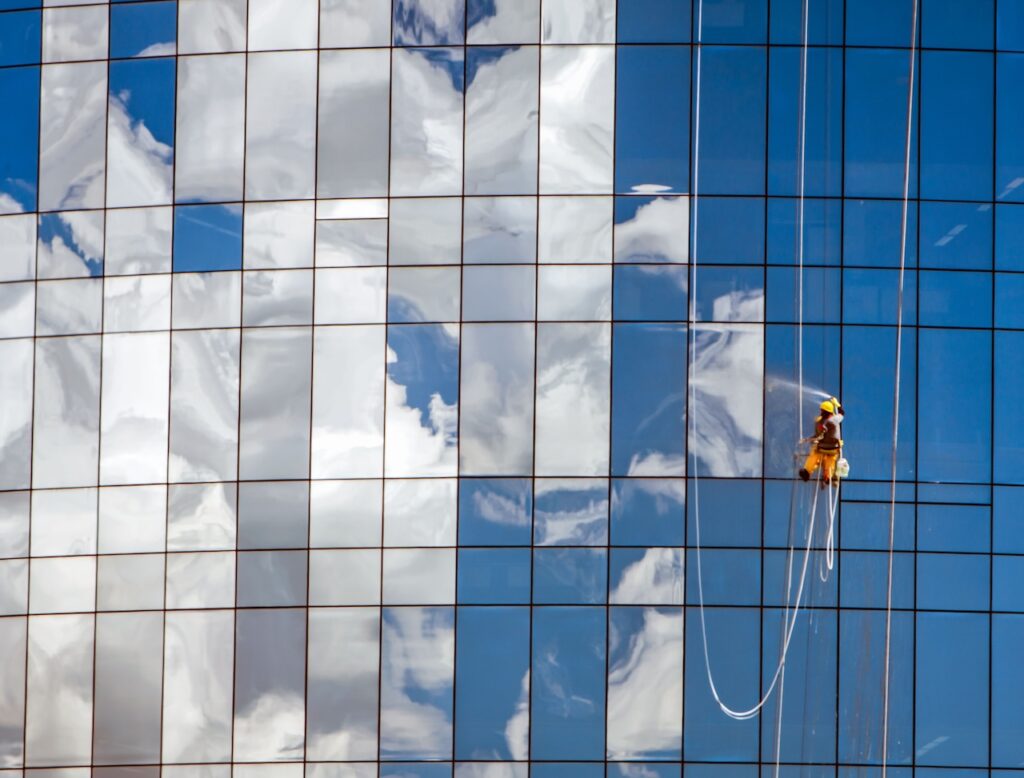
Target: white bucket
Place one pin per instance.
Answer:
(842, 468)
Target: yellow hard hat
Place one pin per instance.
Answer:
(831, 405)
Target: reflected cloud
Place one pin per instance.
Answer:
(428, 22)
(656, 577)
(504, 21)
(657, 232)
(70, 244)
(141, 167)
(571, 512)
(517, 728)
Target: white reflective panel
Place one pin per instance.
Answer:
(658, 232)
(577, 105)
(645, 683)
(340, 770)
(75, 33)
(280, 131)
(420, 512)
(575, 229)
(138, 241)
(419, 576)
(344, 513)
(128, 670)
(12, 692)
(417, 677)
(70, 244)
(278, 235)
(130, 582)
(62, 584)
(573, 399)
(210, 134)
(423, 294)
(505, 21)
(13, 602)
(353, 208)
(500, 229)
(14, 507)
(198, 667)
(204, 405)
(726, 433)
(201, 517)
(207, 300)
(132, 519)
(426, 122)
(496, 396)
(426, 231)
(655, 577)
(501, 121)
(354, 122)
(136, 303)
(136, 370)
(70, 307)
(17, 246)
(354, 23)
(204, 580)
(208, 26)
(349, 243)
(343, 666)
(140, 168)
(498, 293)
(348, 402)
(344, 577)
(16, 419)
(59, 715)
(351, 296)
(73, 114)
(268, 770)
(197, 770)
(574, 293)
(66, 436)
(493, 769)
(274, 429)
(63, 522)
(578, 21)
(282, 24)
(277, 297)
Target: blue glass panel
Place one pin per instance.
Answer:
(951, 299)
(652, 127)
(867, 526)
(1007, 519)
(730, 229)
(565, 576)
(571, 512)
(19, 139)
(872, 296)
(1009, 300)
(879, 22)
(20, 41)
(730, 294)
(567, 770)
(491, 682)
(648, 399)
(1008, 583)
(823, 127)
(952, 581)
(650, 293)
(650, 229)
(730, 512)
(425, 375)
(966, 494)
(951, 24)
(954, 415)
(732, 121)
(1008, 445)
(207, 237)
(1010, 236)
(1008, 692)
(143, 29)
(425, 23)
(956, 125)
(735, 21)
(1009, 125)
(648, 511)
(872, 232)
(6, 5)
(143, 93)
(864, 579)
(953, 527)
(956, 235)
(495, 511)
(822, 237)
(650, 769)
(876, 117)
(821, 299)
(646, 576)
(720, 771)
(653, 21)
(567, 710)
(494, 576)
(1010, 25)
(952, 654)
(824, 25)
(778, 570)
(708, 734)
(57, 229)
(729, 576)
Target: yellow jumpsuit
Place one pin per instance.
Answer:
(827, 456)
(827, 460)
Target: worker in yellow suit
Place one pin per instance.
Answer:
(826, 444)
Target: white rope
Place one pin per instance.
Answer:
(896, 386)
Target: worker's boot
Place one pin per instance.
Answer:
(804, 475)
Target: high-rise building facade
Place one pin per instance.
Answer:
(368, 369)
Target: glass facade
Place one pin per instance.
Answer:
(355, 412)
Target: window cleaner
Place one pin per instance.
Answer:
(826, 446)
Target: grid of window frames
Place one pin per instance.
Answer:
(344, 387)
